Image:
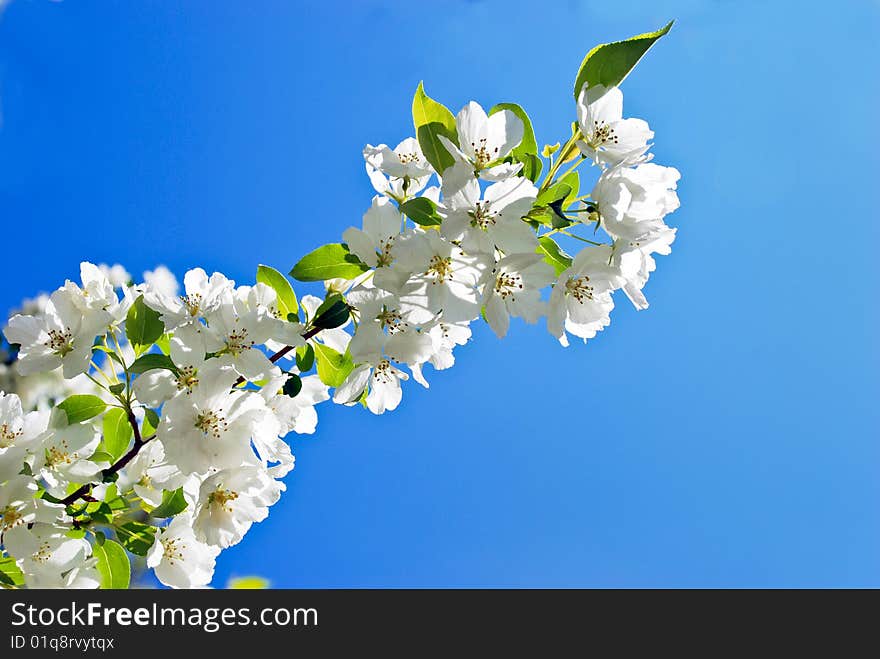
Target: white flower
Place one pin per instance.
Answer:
(44, 552)
(17, 504)
(62, 336)
(179, 560)
(203, 295)
(210, 427)
(608, 137)
(494, 221)
(634, 259)
(148, 475)
(236, 331)
(375, 245)
(382, 379)
(19, 433)
(385, 328)
(400, 173)
(162, 281)
(581, 299)
(96, 293)
(444, 337)
(116, 274)
(632, 202)
(444, 279)
(187, 352)
(231, 500)
(513, 288)
(64, 456)
(485, 140)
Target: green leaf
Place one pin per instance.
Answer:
(549, 149)
(333, 367)
(293, 385)
(553, 254)
(143, 326)
(151, 361)
(151, 422)
(117, 388)
(173, 502)
(113, 565)
(532, 166)
(248, 583)
(328, 262)
(136, 537)
(432, 119)
(421, 210)
(287, 303)
(81, 407)
(305, 358)
(10, 574)
(164, 344)
(117, 433)
(333, 312)
(608, 64)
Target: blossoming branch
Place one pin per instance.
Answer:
(140, 419)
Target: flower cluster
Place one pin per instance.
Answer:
(147, 420)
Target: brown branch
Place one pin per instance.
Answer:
(83, 490)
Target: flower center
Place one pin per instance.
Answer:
(407, 158)
(482, 216)
(391, 320)
(384, 257)
(187, 378)
(602, 134)
(57, 456)
(507, 284)
(237, 342)
(11, 517)
(193, 303)
(172, 550)
(43, 553)
(8, 435)
(483, 155)
(440, 267)
(211, 423)
(145, 481)
(60, 342)
(384, 372)
(579, 288)
(221, 498)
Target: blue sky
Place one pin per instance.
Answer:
(727, 436)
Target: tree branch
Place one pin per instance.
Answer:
(139, 442)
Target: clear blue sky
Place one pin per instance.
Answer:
(727, 436)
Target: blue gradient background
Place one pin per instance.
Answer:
(725, 437)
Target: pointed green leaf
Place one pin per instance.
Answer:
(81, 407)
(151, 361)
(143, 326)
(117, 433)
(136, 537)
(328, 262)
(10, 573)
(421, 210)
(608, 64)
(553, 254)
(173, 502)
(113, 565)
(287, 303)
(333, 367)
(432, 119)
(305, 358)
